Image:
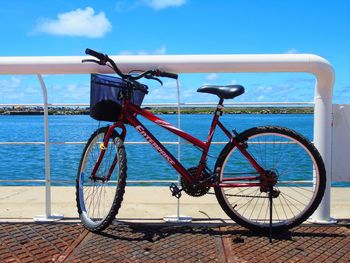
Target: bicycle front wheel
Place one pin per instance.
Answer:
(99, 198)
(298, 171)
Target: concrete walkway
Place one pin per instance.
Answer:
(145, 203)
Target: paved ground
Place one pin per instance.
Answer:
(215, 239)
(145, 242)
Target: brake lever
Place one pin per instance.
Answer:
(152, 77)
(93, 60)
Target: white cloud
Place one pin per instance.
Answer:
(260, 98)
(294, 89)
(19, 90)
(162, 4)
(160, 51)
(123, 5)
(233, 82)
(79, 22)
(292, 51)
(211, 76)
(9, 88)
(13, 82)
(264, 89)
(191, 94)
(162, 94)
(74, 92)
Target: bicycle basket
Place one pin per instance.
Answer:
(107, 94)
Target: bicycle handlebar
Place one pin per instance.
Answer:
(168, 75)
(98, 55)
(103, 59)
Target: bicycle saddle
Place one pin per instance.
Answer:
(224, 92)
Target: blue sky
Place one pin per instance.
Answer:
(155, 27)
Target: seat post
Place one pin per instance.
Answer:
(219, 107)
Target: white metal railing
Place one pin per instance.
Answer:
(313, 64)
(49, 217)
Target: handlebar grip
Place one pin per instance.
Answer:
(168, 75)
(95, 54)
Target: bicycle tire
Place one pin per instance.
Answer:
(300, 191)
(98, 201)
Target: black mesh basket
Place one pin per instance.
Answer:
(107, 94)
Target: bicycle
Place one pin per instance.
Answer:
(254, 183)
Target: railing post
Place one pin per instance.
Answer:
(178, 218)
(323, 142)
(47, 216)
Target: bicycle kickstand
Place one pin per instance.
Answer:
(270, 206)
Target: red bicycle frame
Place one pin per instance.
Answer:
(129, 112)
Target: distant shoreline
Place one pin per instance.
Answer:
(163, 110)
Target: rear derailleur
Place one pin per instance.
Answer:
(267, 183)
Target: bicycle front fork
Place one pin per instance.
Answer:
(103, 147)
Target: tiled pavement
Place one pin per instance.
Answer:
(142, 242)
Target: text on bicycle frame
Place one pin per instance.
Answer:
(154, 144)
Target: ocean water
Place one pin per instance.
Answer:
(23, 162)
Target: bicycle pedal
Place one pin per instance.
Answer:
(175, 190)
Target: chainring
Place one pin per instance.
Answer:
(198, 188)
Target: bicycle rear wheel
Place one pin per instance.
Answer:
(98, 199)
(295, 164)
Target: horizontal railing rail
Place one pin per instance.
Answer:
(157, 105)
(182, 104)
